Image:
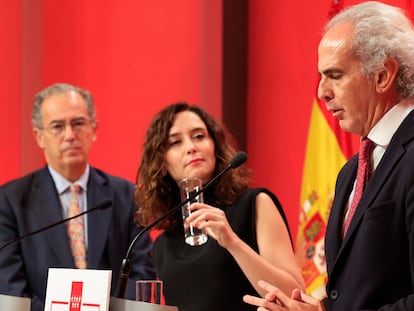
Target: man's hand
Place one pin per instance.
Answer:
(276, 300)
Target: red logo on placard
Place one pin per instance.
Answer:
(75, 302)
(76, 296)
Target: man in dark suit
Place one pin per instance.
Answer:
(366, 62)
(64, 124)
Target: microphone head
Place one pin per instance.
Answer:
(238, 159)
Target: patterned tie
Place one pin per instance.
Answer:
(76, 230)
(361, 180)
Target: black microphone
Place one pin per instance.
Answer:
(102, 205)
(125, 270)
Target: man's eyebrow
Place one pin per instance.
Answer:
(330, 71)
(64, 120)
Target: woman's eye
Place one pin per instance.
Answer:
(199, 136)
(174, 142)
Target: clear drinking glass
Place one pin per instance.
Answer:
(189, 187)
(149, 291)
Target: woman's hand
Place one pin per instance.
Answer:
(213, 221)
(277, 267)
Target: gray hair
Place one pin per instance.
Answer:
(55, 89)
(381, 31)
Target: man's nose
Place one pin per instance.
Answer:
(324, 92)
(68, 131)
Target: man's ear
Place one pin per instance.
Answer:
(385, 78)
(38, 135)
(95, 129)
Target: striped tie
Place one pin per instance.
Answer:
(75, 229)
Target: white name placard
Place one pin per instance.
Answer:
(78, 290)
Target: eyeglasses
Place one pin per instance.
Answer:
(58, 128)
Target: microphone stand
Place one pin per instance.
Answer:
(125, 270)
(103, 205)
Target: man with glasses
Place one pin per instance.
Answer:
(65, 126)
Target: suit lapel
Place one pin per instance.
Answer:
(99, 221)
(47, 210)
(389, 160)
(392, 156)
(333, 237)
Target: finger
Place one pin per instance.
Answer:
(296, 294)
(263, 304)
(207, 214)
(197, 206)
(274, 294)
(309, 299)
(195, 211)
(253, 300)
(197, 216)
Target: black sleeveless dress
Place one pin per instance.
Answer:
(206, 277)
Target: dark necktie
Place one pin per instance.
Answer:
(361, 180)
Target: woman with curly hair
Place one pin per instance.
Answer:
(249, 238)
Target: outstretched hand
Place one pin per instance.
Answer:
(276, 300)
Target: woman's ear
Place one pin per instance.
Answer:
(385, 78)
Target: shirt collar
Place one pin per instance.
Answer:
(62, 183)
(386, 127)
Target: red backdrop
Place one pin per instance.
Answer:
(137, 56)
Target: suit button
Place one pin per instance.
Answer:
(334, 294)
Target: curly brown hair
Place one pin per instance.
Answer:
(156, 191)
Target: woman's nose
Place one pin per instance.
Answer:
(190, 146)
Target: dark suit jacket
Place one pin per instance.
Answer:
(373, 268)
(32, 202)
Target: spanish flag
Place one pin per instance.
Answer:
(328, 148)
